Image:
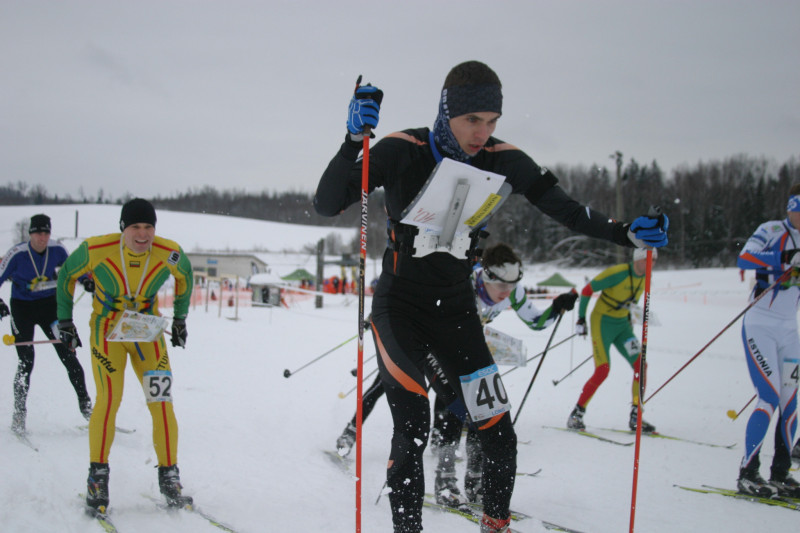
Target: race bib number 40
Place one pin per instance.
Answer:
(484, 393)
(157, 385)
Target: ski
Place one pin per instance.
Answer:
(102, 519)
(463, 510)
(118, 429)
(531, 474)
(474, 512)
(592, 435)
(657, 435)
(190, 508)
(555, 527)
(474, 507)
(23, 438)
(342, 463)
(787, 503)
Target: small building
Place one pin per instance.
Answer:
(216, 264)
(266, 288)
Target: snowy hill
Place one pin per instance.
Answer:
(193, 231)
(251, 441)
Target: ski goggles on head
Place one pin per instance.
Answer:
(504, 276)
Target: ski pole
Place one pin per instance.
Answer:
(544, 353)
(557, 381)
(733, 415)
(641, 371)
(362, 262)
(287, 372)
(778, 281)
(344, 395)
(8, 340)
(531, 358)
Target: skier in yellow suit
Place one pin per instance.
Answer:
(621, 286)
(128, 269)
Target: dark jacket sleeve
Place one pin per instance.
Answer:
(555, 203)
(340, 184)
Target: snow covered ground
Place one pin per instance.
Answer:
(251, 440)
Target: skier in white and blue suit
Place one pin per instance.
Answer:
(772, 349)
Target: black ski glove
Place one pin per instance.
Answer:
(564, 302)
(68, 334)
(790, 257)
(179, 332)
(88, 284)
(580, 327)
(3, 309)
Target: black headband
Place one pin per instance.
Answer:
(462, 99)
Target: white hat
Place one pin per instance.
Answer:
(641, 253)
(506, 273)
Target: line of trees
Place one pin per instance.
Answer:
(713, 208)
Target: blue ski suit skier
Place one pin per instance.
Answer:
(772, 349)
(31, 266)
(424, 304)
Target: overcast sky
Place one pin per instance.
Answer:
(154, 97)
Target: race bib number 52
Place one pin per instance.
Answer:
(484, 393)
(157, 385)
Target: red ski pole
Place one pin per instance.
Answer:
(640, 371)
(362, 262)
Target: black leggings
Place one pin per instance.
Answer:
(25, 315)
(410, 322)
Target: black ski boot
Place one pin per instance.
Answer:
(473, 480)
(647, 427)
(169, 481)
(751, 482)
(97, 488)
(575, 420)
(473, 487)
(85, 405)
(786, 485)
(346, 440)
(446, 488)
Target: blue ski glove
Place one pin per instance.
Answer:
(365, 105)
(649, 231)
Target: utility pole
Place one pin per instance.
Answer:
(620, 214)
(320, 266)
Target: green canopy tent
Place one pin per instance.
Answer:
(299, 275)
(556, 280)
